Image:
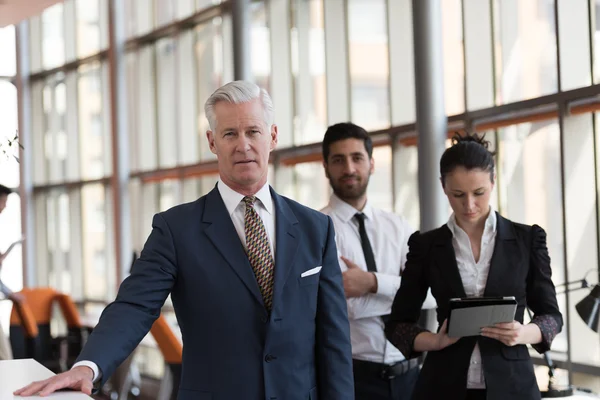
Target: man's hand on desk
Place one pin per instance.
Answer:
(358, 282)
(78, 378)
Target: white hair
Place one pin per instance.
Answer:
(238, 92)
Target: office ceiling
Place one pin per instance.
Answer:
(14, 11)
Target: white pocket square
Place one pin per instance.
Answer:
(310, 272)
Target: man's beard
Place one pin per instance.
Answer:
(349, 193)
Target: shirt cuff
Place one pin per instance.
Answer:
(387, 285)
(92, 366)
(549, 329)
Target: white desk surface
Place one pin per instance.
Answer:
(14, 374)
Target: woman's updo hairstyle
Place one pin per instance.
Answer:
(469, 151)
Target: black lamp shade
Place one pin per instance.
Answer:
(589, 308)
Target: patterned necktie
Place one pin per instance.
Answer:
(259, 251)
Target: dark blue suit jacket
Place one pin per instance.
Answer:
(233, 348)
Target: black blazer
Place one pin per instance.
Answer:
(520, 267)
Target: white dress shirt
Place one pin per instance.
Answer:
(474, 277)
(388, 234)
(237, 208)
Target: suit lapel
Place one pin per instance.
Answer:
(287, 239)
(445, 259)
(224, 237)
(506, 255)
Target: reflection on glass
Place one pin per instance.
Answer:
(8, 65)
(261, 46)
(454, 67)
(308, 70)
(525, 46)
(88, 27)
(94, 246)
(53, 43)
(369, 63)
(530, 188)
(91, 122)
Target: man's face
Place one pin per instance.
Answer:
(3, 199)
(242, 142)
(348, 168)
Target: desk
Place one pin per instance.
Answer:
(14, 374)
(577, 395)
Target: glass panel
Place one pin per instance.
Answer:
(581, 230)
(308, 69)
(187, 104)
(88, 27)
(130, 17)
(184, 8)
(8, 65)
(164, 11)
(379, 189)
(144, 16)
(202, 4)
(91, 138)
(208, 183)
(310, 186)
(407, 183)
(53, 43)
(595, 6)
(525, 45)
(369, 63)
(169, 194)
(9, 148)
(166, 50)
(574, 43)
(35, 42)
(529, 182)
(94, 246)
(146, 110)
(11, 272)
(454, 67)
(261, 49)
(191, 189)
(210, 63)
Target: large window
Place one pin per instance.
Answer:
(505, 71)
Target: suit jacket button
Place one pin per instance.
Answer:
(264, 319)
(270, 357)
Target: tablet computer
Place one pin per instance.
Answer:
(468, 315)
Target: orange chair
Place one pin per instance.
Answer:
(56, 353)
(26, 339)
(172, 351)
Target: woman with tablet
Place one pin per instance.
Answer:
(478, 253)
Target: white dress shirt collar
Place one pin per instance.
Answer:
(232, 199)
(490, 223)
(345, 211)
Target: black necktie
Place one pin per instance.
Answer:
(366, 244)
(367, 250)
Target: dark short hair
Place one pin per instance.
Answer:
(343, 131)
(5, 191)
(469, 151)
